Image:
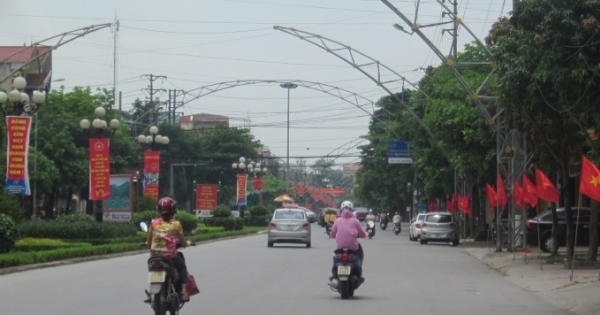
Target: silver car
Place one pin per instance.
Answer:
(439, 227)
(289, 226)
(414, 232)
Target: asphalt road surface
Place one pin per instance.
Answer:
(243, 276)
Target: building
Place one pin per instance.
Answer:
(202, 122)
(36, 62)
(351, 169)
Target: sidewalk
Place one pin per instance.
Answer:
(550, 281)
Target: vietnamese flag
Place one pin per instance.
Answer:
(529, 192)
(518, 195)
(463, 204)
(491, 196)
(589, 183)
(450, 205)
(500, 192)
(545, 188)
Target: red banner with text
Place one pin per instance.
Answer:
(206, 196)
(151, 171)
(17, 177)
(99, 169)
(242, 181)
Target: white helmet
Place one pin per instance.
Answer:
(347, 204)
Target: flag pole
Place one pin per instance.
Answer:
(539, 243)
(575, 245)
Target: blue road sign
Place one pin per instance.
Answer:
(399, 152)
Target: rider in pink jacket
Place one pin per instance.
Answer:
(347, 230)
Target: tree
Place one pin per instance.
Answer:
(547, 72)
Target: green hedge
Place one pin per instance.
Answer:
(256, 221)
(144, 216)
(230, 224)
(221, 211)
(76, 218)
(259, 211)
(39, 244)
(188, 220)
(81, 230)
(16, 259)
(8, 233)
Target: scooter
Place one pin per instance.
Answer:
(397, 228)
(383, 225)
(165, 288)
(346, 273)
(371, 229)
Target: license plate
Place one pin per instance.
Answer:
(435, 236)
(156, 276)
(343, 270)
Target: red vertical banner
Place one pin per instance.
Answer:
(206, 197)
(242, 181)
(151, 171)
(17, 177)
(99, 169)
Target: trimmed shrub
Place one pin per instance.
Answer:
(221, 211)
(257, 220)
(75, 218)
(9, 205)
(188, 221)
(146, 204)
(8, 233)
(259, 211)
(144, 216)
(37, 244)
(81, 230)
(230, 224)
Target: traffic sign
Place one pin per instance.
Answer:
(400, 152)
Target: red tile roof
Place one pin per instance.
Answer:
(20, 53)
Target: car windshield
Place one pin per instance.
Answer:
(289, 215)
(437, 218)
(420, 217)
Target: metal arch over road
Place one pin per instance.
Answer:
(64, 38)
(354, 99)
(332, 46)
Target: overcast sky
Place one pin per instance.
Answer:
(197, 43)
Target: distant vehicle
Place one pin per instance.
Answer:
(543, 222)
(311, 215)
(361, 213)
(321, 217)
(289, 225)
(439, 227)
(414, 232)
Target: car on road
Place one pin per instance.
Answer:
(289, 225)
(439, 227)
(361, 213)
(543, 223)
(310, 215)
(414, 231)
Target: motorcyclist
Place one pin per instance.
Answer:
(329, 218)
(370, 216)
(163, 236)
(397, 218)
(346, 231)
(383, 217)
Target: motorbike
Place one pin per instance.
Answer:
(165, 288)
(383, 224)
(346, 273)
(371, 229)
(397, 228)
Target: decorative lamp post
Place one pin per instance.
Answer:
(241, 177)
(288, 86)
(257, 173)
(99, 131)
(152, 160)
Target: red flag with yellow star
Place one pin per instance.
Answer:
(491, 196)
(529, 192)
(518, 195)
(500, 192)
(545, 188)
(589, 183)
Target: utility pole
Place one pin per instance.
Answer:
(173, 104)
(151, 91)
(115, 30)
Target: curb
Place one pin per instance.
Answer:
(57, 263)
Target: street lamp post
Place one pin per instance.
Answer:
(288, 86)
(254, 168)
(99, 129)
(241, 166)
(153, 140)
(136, 179)
(20, 104)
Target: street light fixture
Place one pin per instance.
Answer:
(19, 100)
(100, 127)
(288, 86)
(153, 139)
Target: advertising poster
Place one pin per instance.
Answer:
(242, 181)
(151, 171)
(17, 177)
(206, 196)
(119, 208)
(99, 169)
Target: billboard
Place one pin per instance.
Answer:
(119, 208)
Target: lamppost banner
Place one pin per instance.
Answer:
(206, 196)
(99, 169)
(17, 177)
(151, 171)
(242, 181)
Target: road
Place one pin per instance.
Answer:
(243, 276)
